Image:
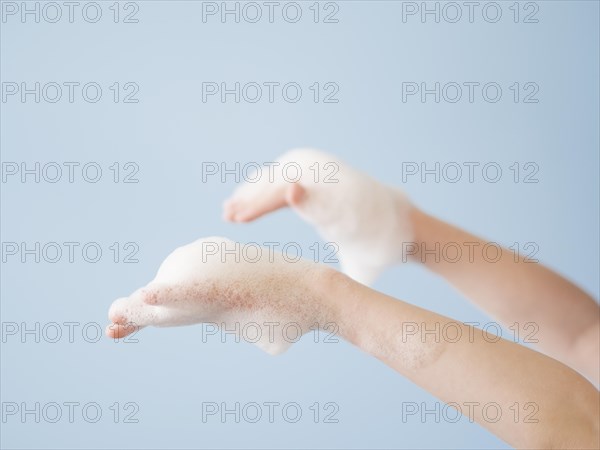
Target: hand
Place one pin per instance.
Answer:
(367, 220)
(215, 280)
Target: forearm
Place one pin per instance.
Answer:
(516, 291)
(469, 369)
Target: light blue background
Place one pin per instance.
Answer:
(170, 132)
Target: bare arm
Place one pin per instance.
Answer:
(516, 291)
(196, 284)
(471, 368)
(372, 223)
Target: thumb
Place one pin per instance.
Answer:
(129, 314)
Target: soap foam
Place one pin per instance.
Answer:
(365, 218)
(192, 286)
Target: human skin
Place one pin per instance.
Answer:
(357, 214)
(470, 369)
(516, 293)
(463, 370)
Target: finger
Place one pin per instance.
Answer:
(250, 203)
(157, 293)
(294, 194)
(132, 310)
(119, 331)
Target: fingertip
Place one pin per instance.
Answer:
(118, 331)
(243, 218)
(115, 311)
(149, 296)
(229, 210)
(235, 217)
(294, 194)
(116, 317)
(113, 331)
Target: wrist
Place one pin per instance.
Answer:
(337, 299)
(419, 221)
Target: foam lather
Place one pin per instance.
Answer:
(368, 220)
(205, 281)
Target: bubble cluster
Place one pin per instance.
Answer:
(194, 287)
(365, 218)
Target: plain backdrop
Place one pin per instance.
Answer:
(170, 132)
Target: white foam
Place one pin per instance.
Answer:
(195, 285)
(365, 218)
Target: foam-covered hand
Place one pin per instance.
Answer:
(207, 281)
(368, 220)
